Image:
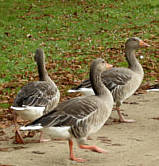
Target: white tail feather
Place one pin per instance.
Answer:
(71, 91)
(31, 127)
(25, 107)
(18, 108)
(152, 90)
(84, 91)
(29, 112)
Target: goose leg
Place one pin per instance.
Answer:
(42, 139)
(38, 141)
(121, 117)
(72, 157)
(18, 137)
(93, 148)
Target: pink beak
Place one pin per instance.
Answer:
(108, 66)
(143, 44)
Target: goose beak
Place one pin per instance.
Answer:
(143, 44)
(108, 66)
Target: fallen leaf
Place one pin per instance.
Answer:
(2, 133)
(125, 102)
(155, 118)
(4, 149)
(104, 139)
(117, 144)
(38, 152)
(4, 139)
(7, 34)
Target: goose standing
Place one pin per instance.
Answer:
(36, 98)
(81, 116)
(122, 82)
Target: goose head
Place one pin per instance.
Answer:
(100, 65)
(134, 43)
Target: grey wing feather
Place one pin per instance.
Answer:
(115, 77)
(84, 84)
(111, 78)
(69, 112)
(35, 94)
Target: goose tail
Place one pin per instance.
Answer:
(38, 127)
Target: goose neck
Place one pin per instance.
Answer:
(133, 63)
(43, 74)
(97, 84)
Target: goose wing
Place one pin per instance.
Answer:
(111, 78)
(116, 77)
(38, 93)
(69, 112)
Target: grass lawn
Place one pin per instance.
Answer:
(72, 33)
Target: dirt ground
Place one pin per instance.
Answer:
(135, 144)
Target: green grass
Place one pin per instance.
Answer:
(4, 105)
(72, 32)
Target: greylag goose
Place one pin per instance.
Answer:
(37, 98)
(122, 82)
(81, 116)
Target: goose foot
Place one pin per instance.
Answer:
(121, 117)
(123, 120)
(93, 148)
(18, 137)
(36, 141)
(72, 157)
(42, 139)
(77, 159)
(127, 120)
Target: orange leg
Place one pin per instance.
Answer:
(72, 157)
(121, 117)
(42, 139)
(93, 148)
(18, 137)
